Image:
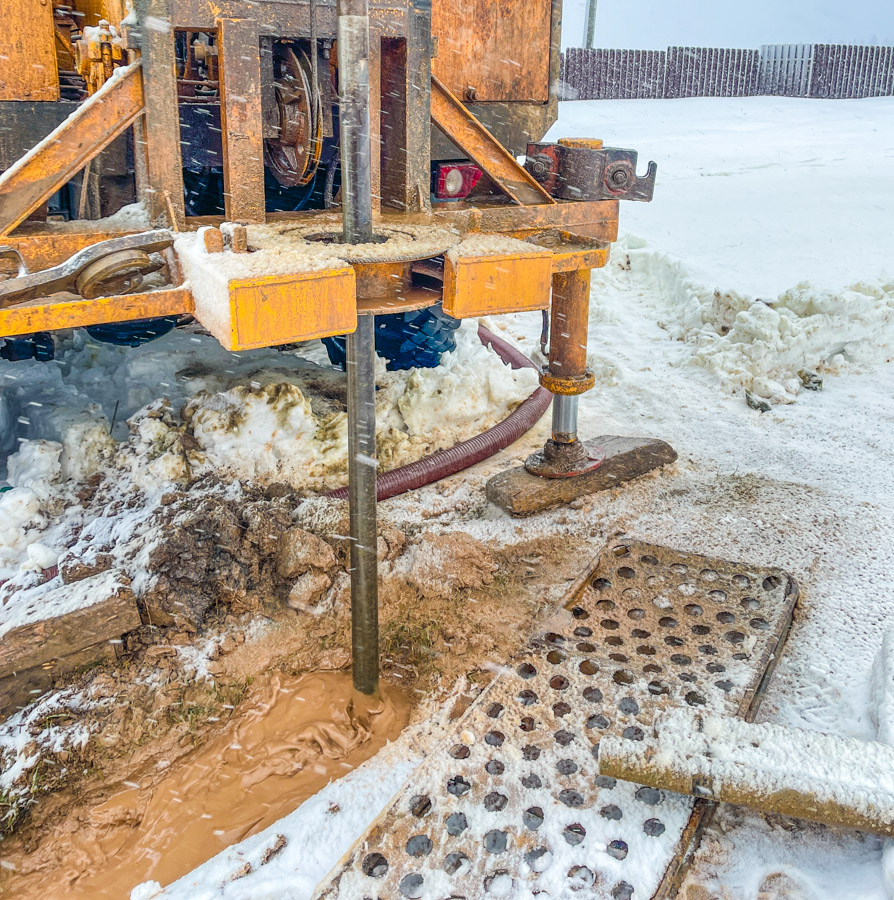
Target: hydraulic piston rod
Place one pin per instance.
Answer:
(353, 73)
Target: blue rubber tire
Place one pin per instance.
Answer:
(411, 340)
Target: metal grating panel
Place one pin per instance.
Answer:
(511, 804)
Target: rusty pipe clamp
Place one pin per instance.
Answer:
(567, 385)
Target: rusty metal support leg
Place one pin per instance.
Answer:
(567, 377)
(353, 66)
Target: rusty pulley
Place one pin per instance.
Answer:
(293, 156)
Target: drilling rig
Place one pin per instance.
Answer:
(308, 166)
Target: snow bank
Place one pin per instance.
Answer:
(754, 343)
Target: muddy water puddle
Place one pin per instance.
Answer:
(290, 741)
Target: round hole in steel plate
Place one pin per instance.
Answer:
(623, 676)
(605, 782)
(574, 833)
(527, 698)
(653, 827)
(633, 733)
(692, 609)
(579, 613)
(411, 886)
(679, 569)
(496, 841)
(617, 849)
(641, 634)
(626, 572)
(667, 622)
(741, 581)
(526, 670)
(734, 637)
(681, 659)
(725, 685)
(620, 550)
(715, 667)
(420, 805)
(494, 738)
(646, 650)
(649, 560)
(556, 656)
(609, 624)
(592, 694)
(495, 801)
(717, 596)
(658, 688)
(458, 786)
(619, 657)
(563, 737)
(701, 630)
(601, 584)
(566, 766)
(688, 677)
(586, 647)
(494, 767)
(708, 649)
(580, 878)
(708, 575)
(673, 641)
(495, 710)
(456, 824)
(539, 858)
(749, 603)
(457, 864)
(588, 667)
(652, 668)
(533, 817)
(531, 782)
(499, 884)
(614, 641)
(771, 582)
(561, 709)
(598, 721)
(558, 683)
(530, 752)
(694, 698)
(628, 706)
(571, 798)
(583, 631)
(636, 613)
(374, 865)
(605, 605)
(527, 724)
(419, 845)
(612, 812)
(725, 617)
(622, 891)
(460, 751)
(648, 795)
(759, 624)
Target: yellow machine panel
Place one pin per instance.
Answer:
(28, 51)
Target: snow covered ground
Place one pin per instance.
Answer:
(758, 199)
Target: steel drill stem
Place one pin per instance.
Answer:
(353, 73)
(362, 504)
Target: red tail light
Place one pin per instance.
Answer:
(456, 180)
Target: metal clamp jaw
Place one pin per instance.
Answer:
(585, 170)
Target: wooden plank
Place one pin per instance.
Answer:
(827, 778)
(28, 51)
(242, 125)
(164, 188)
(65, 151)
(61, 311)
(39, 642)
(483, 148)
(501, 49)
(520, 493)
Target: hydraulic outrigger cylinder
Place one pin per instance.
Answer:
(353, 73)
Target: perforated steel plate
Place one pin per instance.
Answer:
(511, 804)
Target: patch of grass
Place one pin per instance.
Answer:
(12, 811)
(410, 642)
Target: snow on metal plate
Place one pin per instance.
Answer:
(511, 803)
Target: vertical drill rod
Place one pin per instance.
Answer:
(353, 73)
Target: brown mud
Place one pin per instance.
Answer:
(295, 736)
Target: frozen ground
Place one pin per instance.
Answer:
(755, 197)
